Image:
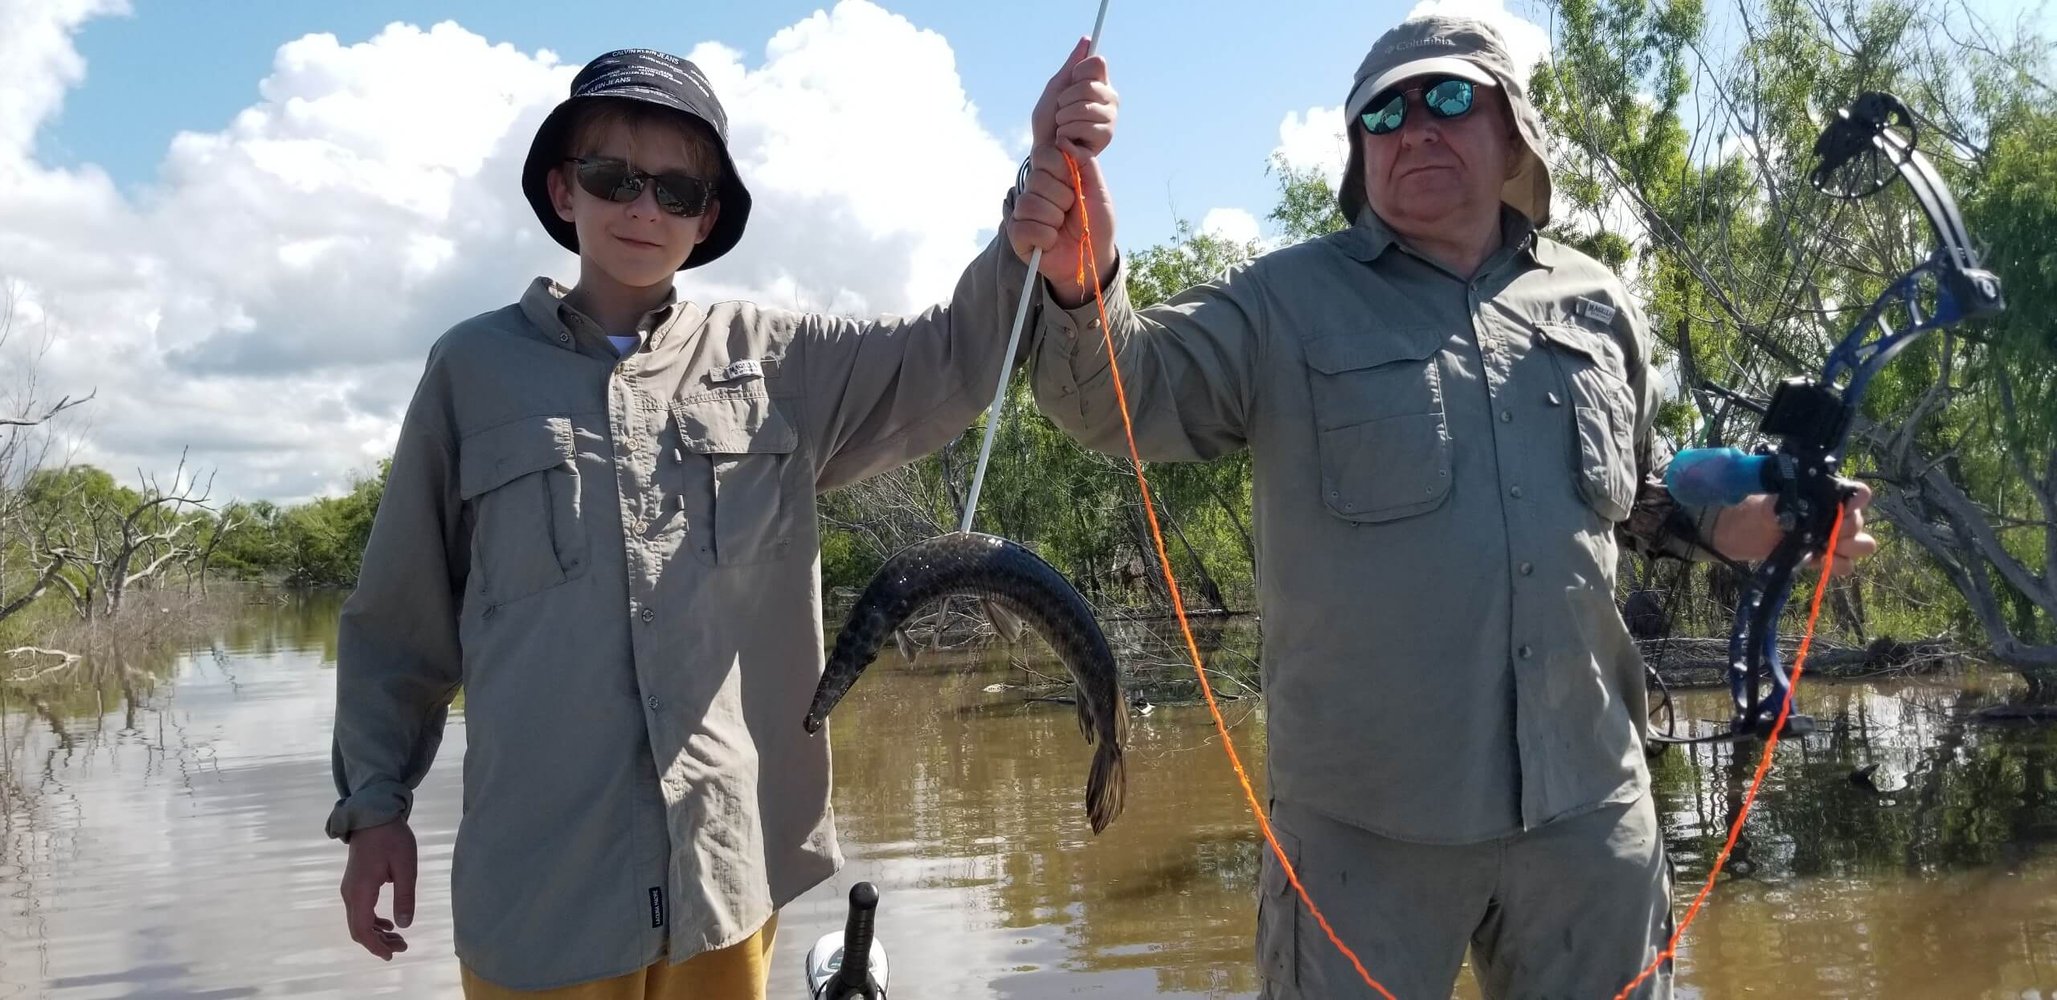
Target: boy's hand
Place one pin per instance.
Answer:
(378, 855)
(1075, 115)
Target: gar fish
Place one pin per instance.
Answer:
(1011, 576)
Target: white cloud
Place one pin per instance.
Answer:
(269, 299)
(1230, 224)
(843, 218)
(1314, 139)
(38, 62)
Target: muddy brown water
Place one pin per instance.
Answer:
(162, 838)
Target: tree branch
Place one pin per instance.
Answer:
(57, 563)
(1970, 522)
(62, 405)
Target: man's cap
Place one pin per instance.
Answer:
(1449, 45)
(649, 77)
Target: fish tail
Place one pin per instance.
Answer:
(856, 646)
(1107, 786)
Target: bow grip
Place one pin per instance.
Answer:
(1719, 477)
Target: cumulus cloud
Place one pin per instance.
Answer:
(38, 62)
(1314, 140)
(268, 299)
(1232, 224)
(843, 219)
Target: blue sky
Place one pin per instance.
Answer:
(1204, 84)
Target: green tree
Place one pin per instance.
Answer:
(1750, 274)
(321, 543)
(1306, 206)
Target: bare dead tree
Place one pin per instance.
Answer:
(29, 565)
(120, 540)
(232, 517)
(153, 536)
(892, 510)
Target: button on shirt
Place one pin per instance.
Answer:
(614, 556)
(1439, 468)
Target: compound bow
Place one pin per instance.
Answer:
(1861, 150)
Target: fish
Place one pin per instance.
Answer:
(1009, 575)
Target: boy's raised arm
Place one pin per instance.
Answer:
(885, 392)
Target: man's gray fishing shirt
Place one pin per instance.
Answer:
(1440, 467)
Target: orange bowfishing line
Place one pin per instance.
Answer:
(1828, 564)
(1089, 263)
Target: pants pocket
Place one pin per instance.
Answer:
(1278, 921)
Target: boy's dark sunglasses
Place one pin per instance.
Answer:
(1448, 97)
(678, 194)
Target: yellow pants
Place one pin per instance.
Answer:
(739, 971)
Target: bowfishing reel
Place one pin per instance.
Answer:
(1869, 142)
(850, 964)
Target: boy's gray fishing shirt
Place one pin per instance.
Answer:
(616, 559)
(1440, 467)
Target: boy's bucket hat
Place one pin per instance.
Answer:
(651, 77)
(1463, 47)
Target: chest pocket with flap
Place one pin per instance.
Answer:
(522, 482)
(1380, 425)
(739, 449)
(1603, 459)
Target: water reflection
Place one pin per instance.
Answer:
(160, 836)
(1901, 851)
(942, 785)
(161, 831)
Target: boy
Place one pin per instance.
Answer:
(600, 524)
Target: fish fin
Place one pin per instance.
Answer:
(1006, 624)
(1106, 786)
(1085, 713)
(908, 649)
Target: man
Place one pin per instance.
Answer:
(1449, 418)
